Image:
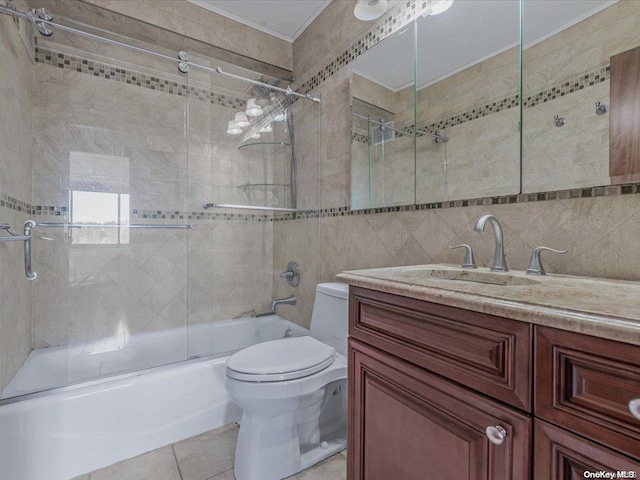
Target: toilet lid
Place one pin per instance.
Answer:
(278, 360)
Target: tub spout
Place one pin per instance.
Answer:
(290, 300)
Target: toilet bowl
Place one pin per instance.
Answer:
(293, 394)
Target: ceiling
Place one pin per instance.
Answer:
(469, 32)
(285, 19)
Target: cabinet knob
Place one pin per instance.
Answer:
(634, 407)
(496, 435)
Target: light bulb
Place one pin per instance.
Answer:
(242, 120)
(253, 109)
(266, 129)
(233, 129)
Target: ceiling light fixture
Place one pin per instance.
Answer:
(280, 116)
(242, 120)
(440, 6)
(367, 10)
(253, 109)
(266, 129)
(233, 129)
(255, 135)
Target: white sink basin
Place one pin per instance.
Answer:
(505, 279)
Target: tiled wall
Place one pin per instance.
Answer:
(16, 79)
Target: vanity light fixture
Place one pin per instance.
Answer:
(368, 10)
(267, 128)
(242, 120)
(253, 109)
(440, 6)
(233, 129)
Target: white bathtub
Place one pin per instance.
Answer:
(63, 434)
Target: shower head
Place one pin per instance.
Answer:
(266, 92)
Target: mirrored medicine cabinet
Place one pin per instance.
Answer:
(492, 98)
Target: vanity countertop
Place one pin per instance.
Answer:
(599, 307)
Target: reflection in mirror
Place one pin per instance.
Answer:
(571, 49)
(468, 80)
(382, 138)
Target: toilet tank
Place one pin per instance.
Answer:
(330, 317)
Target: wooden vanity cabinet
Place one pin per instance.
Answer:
(408, 424)
(426, 381)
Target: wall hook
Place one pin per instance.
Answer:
(601, 109)
(559, 121)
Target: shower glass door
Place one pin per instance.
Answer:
(109, 193)
(251, 146)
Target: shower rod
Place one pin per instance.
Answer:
(39, 21)
(254, 207)
(191, 226)
(368, 118)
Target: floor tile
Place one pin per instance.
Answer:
(228, 475)
(207, 455)
(157, 465)
(333, 468)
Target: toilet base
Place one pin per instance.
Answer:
(276, 447)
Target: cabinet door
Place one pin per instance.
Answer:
(586, 384)
(561, 455)
(408, 424)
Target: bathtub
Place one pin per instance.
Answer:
(70, 431)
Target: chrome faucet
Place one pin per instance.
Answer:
(290, 300)
(499, 260)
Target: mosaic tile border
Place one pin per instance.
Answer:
(565, 87)
(14, 204)
(591, 192)
(139, 79)
(600, 191)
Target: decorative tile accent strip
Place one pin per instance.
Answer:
(358, 137)
(565, 87)
(598, 75)
(601, 191)
(144, 80)
(15, 204)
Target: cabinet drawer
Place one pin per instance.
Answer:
(405, 423)
(489, 354)
(561, 455)
(585, 384)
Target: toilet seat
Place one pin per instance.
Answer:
(280, 360)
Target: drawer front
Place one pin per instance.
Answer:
(406, 423)
(561, 455)
(489, 354)
(585, 384)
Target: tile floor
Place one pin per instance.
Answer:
(206, 457)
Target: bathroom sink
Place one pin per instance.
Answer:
(475, 276)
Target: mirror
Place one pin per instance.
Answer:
(383, 118)
(468, 81)
(570, 48)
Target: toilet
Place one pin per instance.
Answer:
(293, 393)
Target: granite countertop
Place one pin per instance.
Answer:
(599, 307)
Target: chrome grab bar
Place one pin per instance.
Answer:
(28, 225)
(191, 226)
